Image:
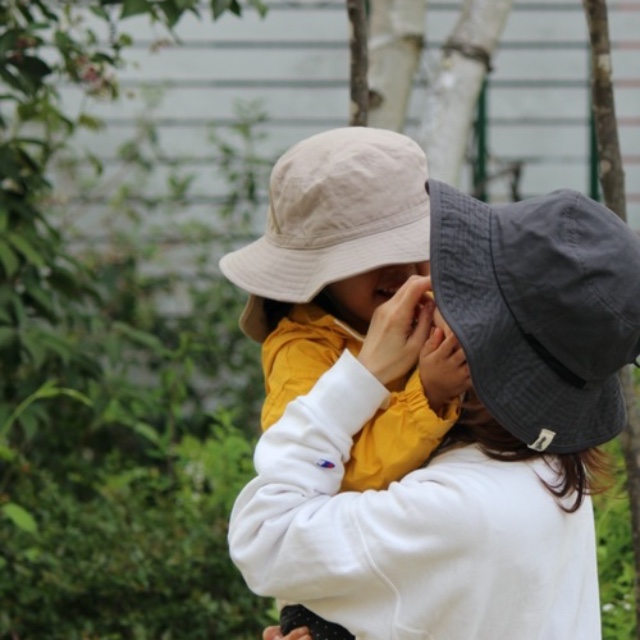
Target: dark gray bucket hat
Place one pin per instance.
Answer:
(544, 296)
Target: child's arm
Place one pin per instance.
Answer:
(399, 439)
(292, 371)
(402, 437)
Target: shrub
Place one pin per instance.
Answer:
(145, 557)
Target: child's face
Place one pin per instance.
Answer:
(356, 298)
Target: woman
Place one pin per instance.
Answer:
(494, 538)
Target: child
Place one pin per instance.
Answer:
(348, 224)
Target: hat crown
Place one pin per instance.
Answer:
(342, 202)
(577, 292)
(343, 184)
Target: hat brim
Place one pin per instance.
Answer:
(519, 389)
(298, 275)
(266, 270)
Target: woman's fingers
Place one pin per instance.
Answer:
(275, 633)
(396, 334)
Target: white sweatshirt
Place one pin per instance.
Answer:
(467, 548)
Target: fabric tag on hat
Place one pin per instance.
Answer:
(544, 439)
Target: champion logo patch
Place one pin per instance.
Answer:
(325, 464)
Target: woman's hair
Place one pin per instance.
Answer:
(583, 473)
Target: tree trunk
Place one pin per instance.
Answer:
(396, 40)
(356, 11)
(453, 94)
(612, 182)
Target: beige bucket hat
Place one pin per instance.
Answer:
(341, 202)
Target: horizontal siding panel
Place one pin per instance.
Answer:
(220, 102)
(540, 143)
(187, 141)
(205, 65)
(543, 64)
(559, 26)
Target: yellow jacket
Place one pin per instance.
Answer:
(397, 440)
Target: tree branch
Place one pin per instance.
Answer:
(612, 182)
(356, 10)
(610, 160)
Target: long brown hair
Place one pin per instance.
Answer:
(583, 473)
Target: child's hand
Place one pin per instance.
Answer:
(443, 369)
(275, 633)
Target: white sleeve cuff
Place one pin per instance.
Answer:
(348, 395)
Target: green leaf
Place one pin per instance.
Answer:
(7, 453)
(56, 344)
(20, 517)
(171, 12)
(99, 12)
(29, 424)
(71, 393)
(90, 122)
(34, 67)
(42, 300)
(100, 56)
(141, 337)
(35, 350)
(9, 259)
(218, 7)
(47, 390)
(14, 81)
(33, 554)
(147, 431)
(9, 167)
(260, 6)
(8, 336)
(9, 39)
(134, 8)
(26, 249)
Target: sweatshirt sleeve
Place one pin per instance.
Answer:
(300, 464)
(396, 439)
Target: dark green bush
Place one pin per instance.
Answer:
(106, 529)
(144, 558)
(616, 564)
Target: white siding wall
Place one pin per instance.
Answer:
(296, 60)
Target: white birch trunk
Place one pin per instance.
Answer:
(452, 96)
(396, 37)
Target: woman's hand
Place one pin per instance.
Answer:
(275, 633)
(398, 331)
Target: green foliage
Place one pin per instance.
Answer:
(615, 555)
(105, 403)
(145, 558)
